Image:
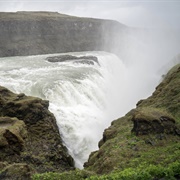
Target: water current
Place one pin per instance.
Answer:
(84, 97)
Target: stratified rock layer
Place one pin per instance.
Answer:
(32, 33)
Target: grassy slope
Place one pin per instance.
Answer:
(123, 155)
(23, 15)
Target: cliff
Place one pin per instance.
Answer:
(144, 144)
(147, 136)
(29, 138)
(32, 33)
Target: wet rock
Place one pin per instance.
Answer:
(89, 60)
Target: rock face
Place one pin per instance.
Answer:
(29, 135)
(90, 60)
(12, 135)
(153, 121)
(145, 136)
(32, 33)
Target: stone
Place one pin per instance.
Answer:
(29, 134)
(34, 33)
(89, 60)
(12, 135)
(153, 121)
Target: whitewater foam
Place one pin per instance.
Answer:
(84, 98)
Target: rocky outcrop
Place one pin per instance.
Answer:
(166, 96)
(32, 33)
(153, 121)
(147, 135)
(12, 135)
(29, 135)
(90, 60)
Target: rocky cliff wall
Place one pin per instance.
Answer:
(29, 137)
(146, 136)
(31, 33)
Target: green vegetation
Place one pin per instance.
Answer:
(70, 175)
(167, 94)
(32, 15)
(141, 173)
(147, 135)
(152, 153)
(150, 114)
(144, 144)
(151, 172)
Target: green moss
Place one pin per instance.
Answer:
(17, 171)
(71, 175)
(126, 150)
(167, 94)
(150, 114)
(26, 140)
(151, 172)
(33, 16)
(121, 149)
(124, 155)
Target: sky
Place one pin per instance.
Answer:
(144, 13)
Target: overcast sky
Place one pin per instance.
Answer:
(145, 13)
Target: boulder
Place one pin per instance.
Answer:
(153, 121)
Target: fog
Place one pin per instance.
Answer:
(132, 13)
(147, 47)
(157, 22)
(147, 54)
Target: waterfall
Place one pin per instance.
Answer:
(84, 98)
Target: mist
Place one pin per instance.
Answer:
(145, 50)
(147, 46)
(142, 14)
(147, 55)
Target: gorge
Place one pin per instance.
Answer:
(68, 62)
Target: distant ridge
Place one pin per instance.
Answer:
(43, 32)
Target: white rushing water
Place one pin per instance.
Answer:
(84, 98)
